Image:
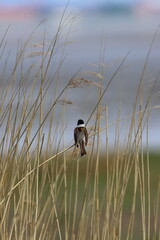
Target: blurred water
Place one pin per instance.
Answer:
(122, 33)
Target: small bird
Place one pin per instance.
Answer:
(81, 136)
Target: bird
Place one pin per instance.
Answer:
(81, 136)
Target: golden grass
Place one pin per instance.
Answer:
(46, 192)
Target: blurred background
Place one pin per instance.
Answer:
(124, 25)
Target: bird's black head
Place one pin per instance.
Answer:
(80, 121)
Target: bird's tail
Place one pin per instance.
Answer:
(82, 148)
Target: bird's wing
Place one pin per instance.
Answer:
(75, 135)
(86, 135)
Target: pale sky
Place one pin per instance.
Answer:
(63, 2)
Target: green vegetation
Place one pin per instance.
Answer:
(46, 190)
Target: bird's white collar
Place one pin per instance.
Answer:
(81, 125)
